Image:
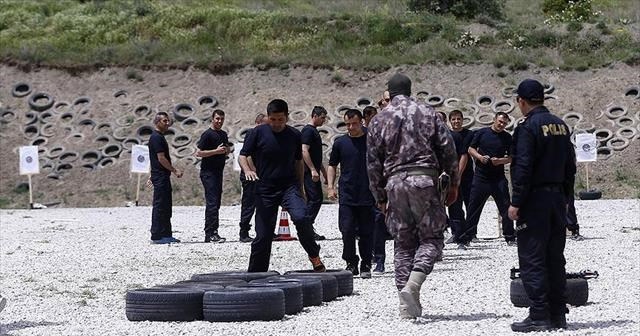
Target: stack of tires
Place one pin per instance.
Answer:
(237, 296)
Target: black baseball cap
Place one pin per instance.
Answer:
(531, 90)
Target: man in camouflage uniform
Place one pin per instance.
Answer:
(408, 147)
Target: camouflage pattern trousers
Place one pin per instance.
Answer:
(416, 219)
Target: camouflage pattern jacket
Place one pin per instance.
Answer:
(407, 135)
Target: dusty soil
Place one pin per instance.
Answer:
(246, 92)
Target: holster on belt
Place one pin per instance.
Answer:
(444, 182)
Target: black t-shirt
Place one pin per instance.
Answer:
(211, 139)
(311, 137)
(158, 144)
(274, 155)
(462, 140)
(488, 142)
(351, 154)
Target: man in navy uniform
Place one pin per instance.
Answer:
(276, 150)
(462, 139)
(161, 170)
(542, 174)
(213, 149)
(490, 148)
(313, 167)
(355, 211)
(247, 203)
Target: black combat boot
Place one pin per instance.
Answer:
(529, 324)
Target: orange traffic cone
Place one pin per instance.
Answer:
(284, 234)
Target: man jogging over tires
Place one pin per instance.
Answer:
(542, 174)
(161, 170)
(276, 150)
(213, 149)
(407, 148)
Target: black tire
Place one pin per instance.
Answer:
(68, 157)
(180, 140)
(615, 111)
(183, 111)
(235, 305)
(203, 286)
(8, 116)
(590, 194)
(31, 118)
(577, 292)
(40, 101)
(246, 276)
(48, 130)
(104, 128)
(164, 304)
(485, 101)
(112, 150)
(292, 293)
(106, 162)
(142, 111)
(144, 132)
(206, 284)
(329, 283)
(31, 132)
(81, 104)
(434, 100)
(311, 288)
(128, 143)
(343, 277)
(208, 101)
(299, 116)
(55, 152)
(363, 102)
(46, 117)
(40, 141)
(20, 90)
(87, 123)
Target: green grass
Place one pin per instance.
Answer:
(372, 34)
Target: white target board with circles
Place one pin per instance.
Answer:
(140, 159)
(29, 163)
(586, 147)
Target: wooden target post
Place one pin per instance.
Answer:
(29, 165)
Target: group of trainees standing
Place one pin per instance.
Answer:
(388, 164)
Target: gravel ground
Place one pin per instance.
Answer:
(66, 272)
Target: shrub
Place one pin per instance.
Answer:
(568, 10)
(467, 9)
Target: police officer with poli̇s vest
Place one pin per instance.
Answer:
(542, 173)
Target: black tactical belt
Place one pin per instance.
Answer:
(416, 172)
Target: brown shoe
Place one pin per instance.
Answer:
(318, 266)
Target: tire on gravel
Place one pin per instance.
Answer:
(434, 100)
(363, 102)
(128, 142)
(292, 293)
(182, 111)
(485, 101)
(577, 292)
(46, 117)
(603, 135)
(311, 288)
(329, 283)
(632, 92)
(505, 106)
(55, 152)
(164, 304)
(104, 128)
(206, 284)
(299, 116)
(235, 305)
(589, 194)
(618, 143)
(31, 132)
(208, 101)
(144, 132)
(604, 153)
(112, 150)
(615, 111)
(181, 140)
(20, 90)
(8, 116)
(142, 111)
(343, 277)
(31, 118)
(40, 101)
(622, 132)
(91, 156)
(485, 118)
(224, 275)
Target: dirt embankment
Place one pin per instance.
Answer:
(244, 93)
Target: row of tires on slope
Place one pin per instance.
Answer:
(237, 296)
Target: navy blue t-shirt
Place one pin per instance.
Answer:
(351, 154)
(462, 140)
(158, 144)
(211, 139)
(274, 155)
(311, 137)
(488, 142)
